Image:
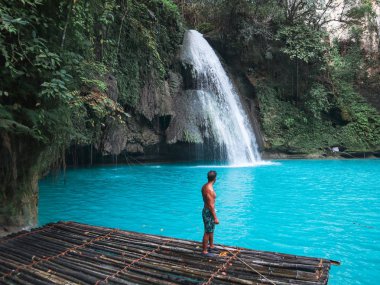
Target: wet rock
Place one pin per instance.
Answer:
(139, 136)
(189, 123)
(155, 100)
(148, 137)
(21, 160)
(175, 83)
(189, 76)
(114, 137)
(134, 148)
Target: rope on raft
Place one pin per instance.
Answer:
(133, 262)
(250, 267)
(17, 269)
(224, 266)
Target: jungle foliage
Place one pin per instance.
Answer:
(67, 66)
(57, 58)
(307, 83)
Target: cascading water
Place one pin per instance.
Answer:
(219, 101)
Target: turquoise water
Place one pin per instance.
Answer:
(328, 208)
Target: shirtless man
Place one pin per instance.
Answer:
(208, 213)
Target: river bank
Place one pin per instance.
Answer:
(267, 155)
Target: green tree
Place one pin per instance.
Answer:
(56, 61)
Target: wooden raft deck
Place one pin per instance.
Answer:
(73, 253)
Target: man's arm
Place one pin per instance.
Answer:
(210, 203)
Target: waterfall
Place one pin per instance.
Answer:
(219, 101)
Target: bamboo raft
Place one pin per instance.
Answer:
(73, 253)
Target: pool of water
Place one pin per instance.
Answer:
(327, 208)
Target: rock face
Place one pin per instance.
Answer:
(19, 187)
(140, 136)
(155, 100)
(144, 132)
(114, 137)
(188, 124)
(337, 26)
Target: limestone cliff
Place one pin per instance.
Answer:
(143, 132)
(169, 122)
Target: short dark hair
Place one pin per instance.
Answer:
(211, 175)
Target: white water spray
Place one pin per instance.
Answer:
(220, 102)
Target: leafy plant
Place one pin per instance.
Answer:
(317, 101)
(302, 42)
(57, 60)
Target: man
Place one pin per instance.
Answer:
(208, 213)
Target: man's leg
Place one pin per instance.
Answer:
(205, 241)
(211, 239)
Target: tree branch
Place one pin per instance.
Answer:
(71, 5)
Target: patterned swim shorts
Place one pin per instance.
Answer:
(208, 220)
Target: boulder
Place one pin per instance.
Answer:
(114, 137)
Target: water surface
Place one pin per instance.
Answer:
(328, 209)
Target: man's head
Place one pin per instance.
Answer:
(211, 176)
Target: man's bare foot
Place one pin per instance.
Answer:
(209, 254)
(212, 249)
